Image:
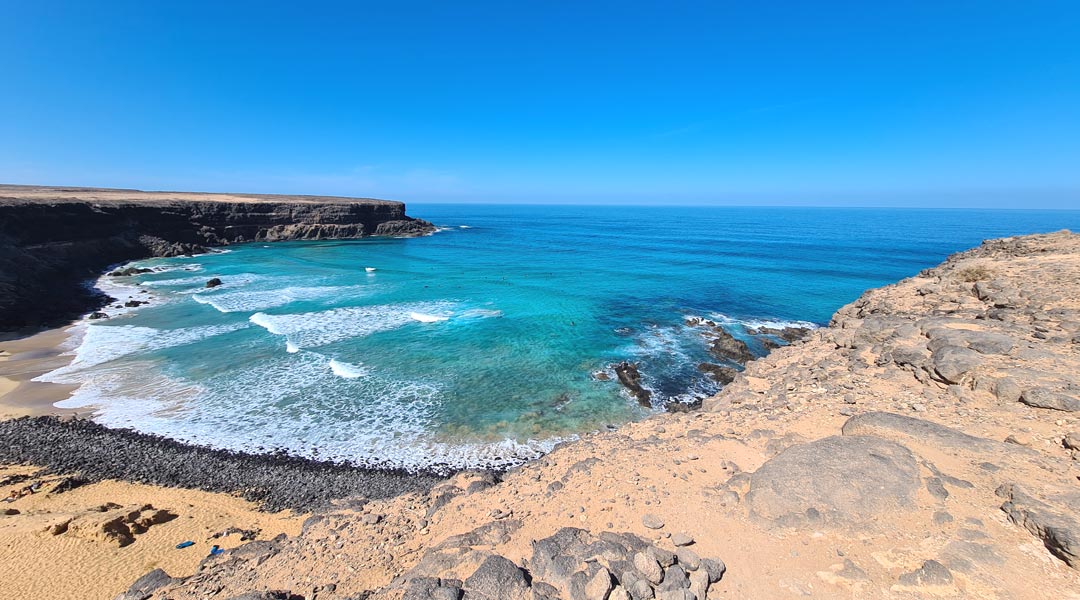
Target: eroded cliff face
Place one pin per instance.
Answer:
(53, 240)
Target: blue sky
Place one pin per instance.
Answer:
(843, 103)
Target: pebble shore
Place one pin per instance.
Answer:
(92, 452)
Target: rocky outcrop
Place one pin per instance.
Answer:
(630, 378)
(837, 480)
(54, 239)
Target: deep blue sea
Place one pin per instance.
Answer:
(479, 345)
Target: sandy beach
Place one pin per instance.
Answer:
(21, 360)
(87, 560)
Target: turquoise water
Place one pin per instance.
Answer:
(478, 345)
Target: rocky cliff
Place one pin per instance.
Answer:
(52, 240)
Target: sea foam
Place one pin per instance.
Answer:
(347, 370)
(257, 300)
(102, 344)
(310, 330)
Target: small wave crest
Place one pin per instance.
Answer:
(760, 323)
(259, 300)
(347, 370)
(309, 330)
(426, 318)
(103, 344)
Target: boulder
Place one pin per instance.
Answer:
(951, 363)
(213, 283)
(1056, 527)
(498, 579)
(909, 430)
(146, 585)
(834, 481)
(1044, 398)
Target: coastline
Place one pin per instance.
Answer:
(23, 359)
(44, 258)
(876, 374)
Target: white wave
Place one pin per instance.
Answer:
(268, 323)
(122, 293)
(101, 344)
(168, 269)
(294, 403)
(760, 323)
(481, 313)
(291, 348)
(662, 341)
(369, 269)
(426, 318)
(308, 330)
(197, 283)
(178, 282)
(346, 370)
(464, 226)
(257, 300)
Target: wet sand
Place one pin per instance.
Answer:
(23, 359)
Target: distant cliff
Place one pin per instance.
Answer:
(52, 240)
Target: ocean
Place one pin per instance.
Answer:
(481, 345)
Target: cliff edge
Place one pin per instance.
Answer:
(53, 239)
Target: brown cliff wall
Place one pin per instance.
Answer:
(52, 240)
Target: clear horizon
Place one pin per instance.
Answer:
(952, 105)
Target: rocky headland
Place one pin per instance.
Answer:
(925, 444)
(52, 239)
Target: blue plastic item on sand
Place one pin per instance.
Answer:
(185, 544)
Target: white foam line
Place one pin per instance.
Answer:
(309, 330)
(759, 323)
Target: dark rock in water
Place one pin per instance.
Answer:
(134, 303)
(129, 271)
(725, 346)
(721, 374)
(789, 334)
(722, 344)
(630, 377)
(213, 283)
(835, 480)
(98, 315)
